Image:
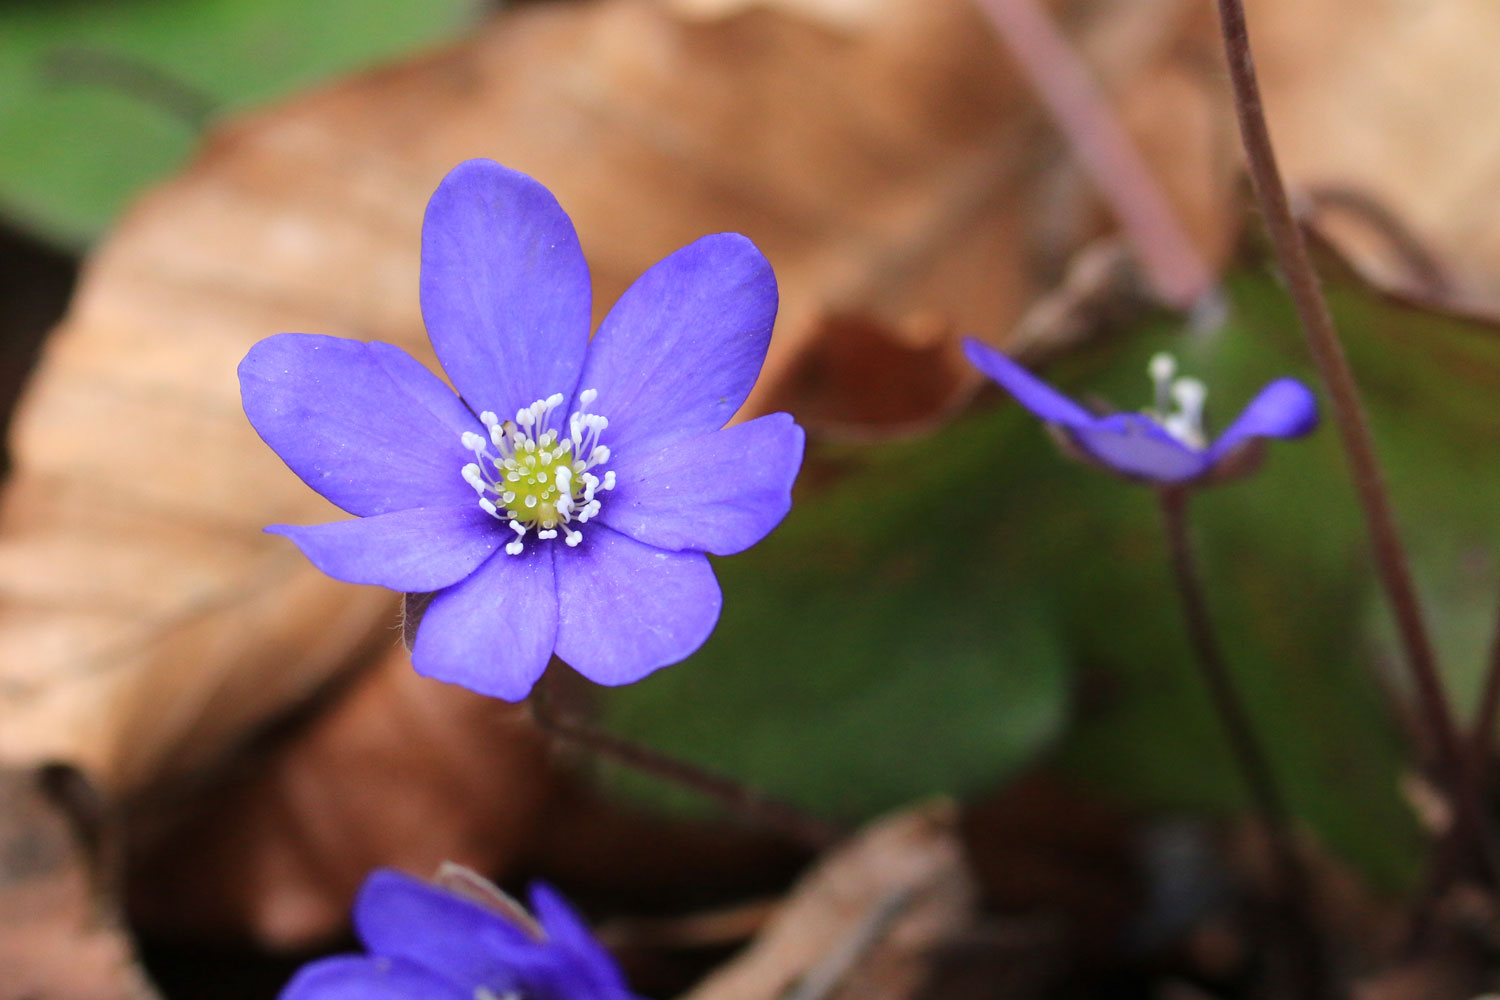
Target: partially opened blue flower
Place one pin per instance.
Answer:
(564, 499)
(1165, 444)
(427, 942)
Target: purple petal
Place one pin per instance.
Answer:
(416, 551)
(505, 288)
(677, 355)
(365, 425)
(356, 978)
(419, 382)
(1286, 408)
(627, 609)
(493, 633)
(1137, 446)
(1031, 392)
(404, 918)
(720, 492)
(590, 970)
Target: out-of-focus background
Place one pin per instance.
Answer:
(207, 744)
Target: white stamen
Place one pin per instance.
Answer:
(1190, 394)
(540, 479)
(1187, 423)
(1162, 367)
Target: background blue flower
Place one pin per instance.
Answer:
(427, 942)
(601, 470)
(1158, 446)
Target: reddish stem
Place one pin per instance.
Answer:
(1107, 153)
(1391, 561)
(750, 805)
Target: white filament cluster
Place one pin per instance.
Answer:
(1178, 402)
(536, 479)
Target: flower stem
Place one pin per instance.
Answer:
(1296, 926)
(1354, 430)
(1104, 149)
(1482, 739)
(773, 814)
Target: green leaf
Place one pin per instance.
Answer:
(909, 629)
(868, 653)
(84, 125)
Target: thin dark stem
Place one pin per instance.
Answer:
(750, 805)
(1354, 431)
(1174, 267)
(1297, 927)
(1482, 738)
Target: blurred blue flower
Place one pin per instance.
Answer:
(1165, 444)
(426, 942)
(540, 524)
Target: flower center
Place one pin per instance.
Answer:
(1178, 402)
(537, 479)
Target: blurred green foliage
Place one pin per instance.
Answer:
(919, 625)
(99, 98)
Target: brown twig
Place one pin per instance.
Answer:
(1297, 929)
(1391, 561)
(1172, 264)
(746, 803)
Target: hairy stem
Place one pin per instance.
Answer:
(1297, 925)
(1391, 562)
(746, 803)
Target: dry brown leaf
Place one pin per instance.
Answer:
(395, 770)
(146, 624)
(897, 173)
(59, 937)
(842, 14)
(866, 922)
(1393, 99)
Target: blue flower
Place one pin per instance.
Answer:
(564, 499)
(1166, 444)
(426, 942)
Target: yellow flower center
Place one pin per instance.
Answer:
(536, 479)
